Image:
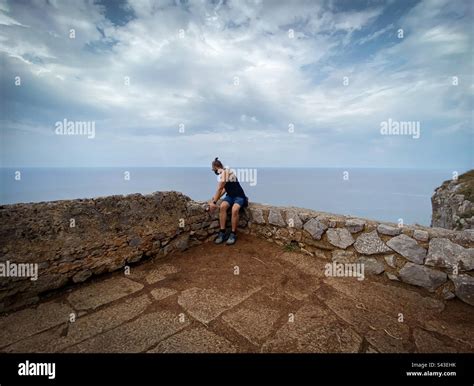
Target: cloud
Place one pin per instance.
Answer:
(375, 35)
(235, 75)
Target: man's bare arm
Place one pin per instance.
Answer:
(221, 186)
(219, 193)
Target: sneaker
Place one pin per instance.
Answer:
(220, 238)
(232, 239)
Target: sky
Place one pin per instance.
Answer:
(255, 83)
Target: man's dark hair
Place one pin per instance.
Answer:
(217, 164)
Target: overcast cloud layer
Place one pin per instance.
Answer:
(229, 78)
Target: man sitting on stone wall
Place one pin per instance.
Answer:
(235, 199)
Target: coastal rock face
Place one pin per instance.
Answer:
(453, 203)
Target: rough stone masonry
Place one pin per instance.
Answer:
(73, 240)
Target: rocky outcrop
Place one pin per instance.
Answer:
(453, 203)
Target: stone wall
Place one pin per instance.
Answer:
(437, 259)
(72, 240)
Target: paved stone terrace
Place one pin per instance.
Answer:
(279, 301)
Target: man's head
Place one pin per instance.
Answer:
(216, 165)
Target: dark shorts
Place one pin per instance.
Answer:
(235, 200)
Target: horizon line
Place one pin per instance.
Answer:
(241, 166)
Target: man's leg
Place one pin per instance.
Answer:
(222, 219)
(223, 214)
(235, 217)
(235, 222)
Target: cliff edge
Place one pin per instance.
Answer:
(453, 203)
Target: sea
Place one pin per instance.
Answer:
(381, 194)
